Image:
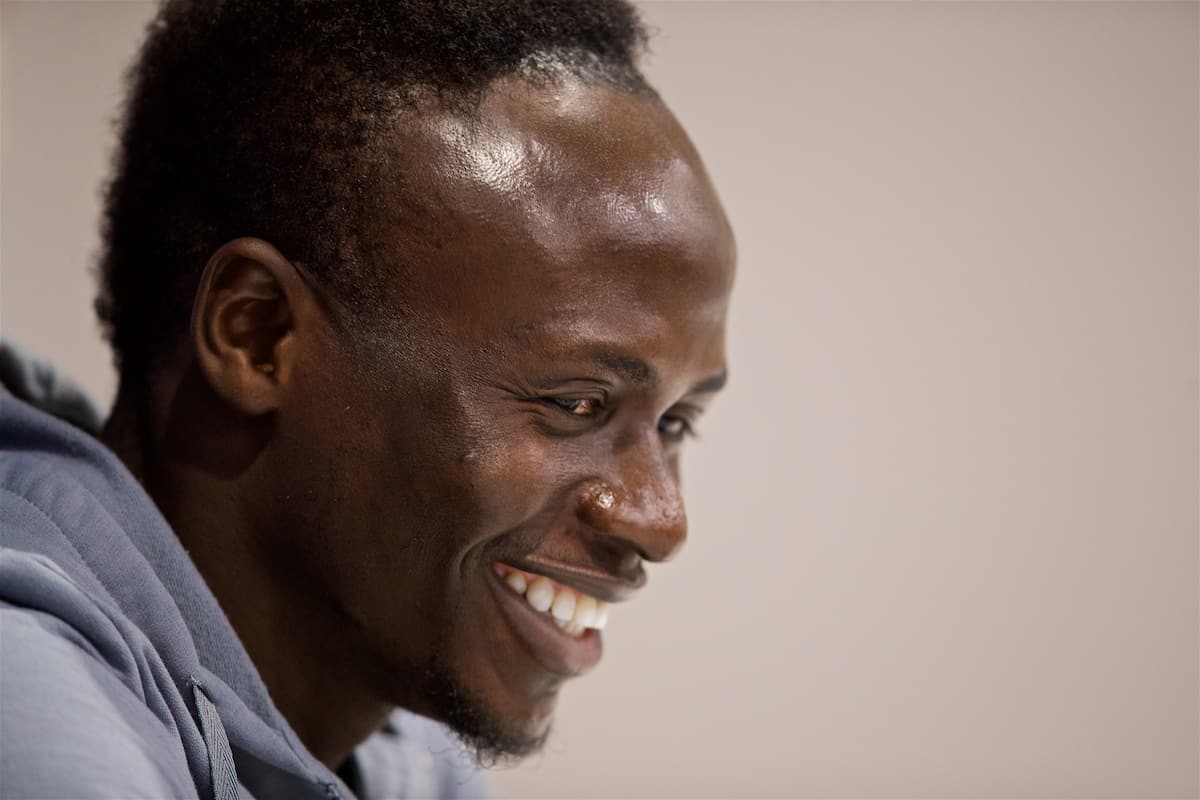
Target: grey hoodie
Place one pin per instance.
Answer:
(120, 676)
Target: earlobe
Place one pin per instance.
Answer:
(244, 324)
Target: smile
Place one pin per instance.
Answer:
(558, 624)
(573, 611)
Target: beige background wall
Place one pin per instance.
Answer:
(945, 521)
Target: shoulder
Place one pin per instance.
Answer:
(71, 726)
(417, 757)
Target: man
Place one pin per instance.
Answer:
(414, 305)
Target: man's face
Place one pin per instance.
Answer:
(561, 285)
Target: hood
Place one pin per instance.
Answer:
(119, 556)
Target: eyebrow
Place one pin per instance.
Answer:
(640, 373)
(632, 369)
(713, 384)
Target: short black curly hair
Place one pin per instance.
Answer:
(258, 118)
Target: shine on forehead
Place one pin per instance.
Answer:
(563, 127)
(553, 196)
(549, 151)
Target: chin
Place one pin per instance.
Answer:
(495, 730)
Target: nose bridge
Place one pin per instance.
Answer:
(639, 500)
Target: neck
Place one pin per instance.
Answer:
(123, 435)
(208, 499)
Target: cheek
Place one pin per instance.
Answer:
(513, 479)
(411, 479)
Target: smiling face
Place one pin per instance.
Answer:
(504, 449)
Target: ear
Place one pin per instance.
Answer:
(249, 306)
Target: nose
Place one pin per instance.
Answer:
(640, 503)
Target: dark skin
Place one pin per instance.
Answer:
(345, 485)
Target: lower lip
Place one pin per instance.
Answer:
(553, 649)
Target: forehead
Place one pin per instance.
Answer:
(551, 202)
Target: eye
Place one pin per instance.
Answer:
(674, 428)
(578, 406)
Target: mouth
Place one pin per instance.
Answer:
(559, 624)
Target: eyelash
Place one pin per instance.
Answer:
(570, 406)
(686, 430)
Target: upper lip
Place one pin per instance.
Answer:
(599, 583)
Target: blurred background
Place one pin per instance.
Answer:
(945, 520)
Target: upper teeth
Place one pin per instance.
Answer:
(572, 610)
